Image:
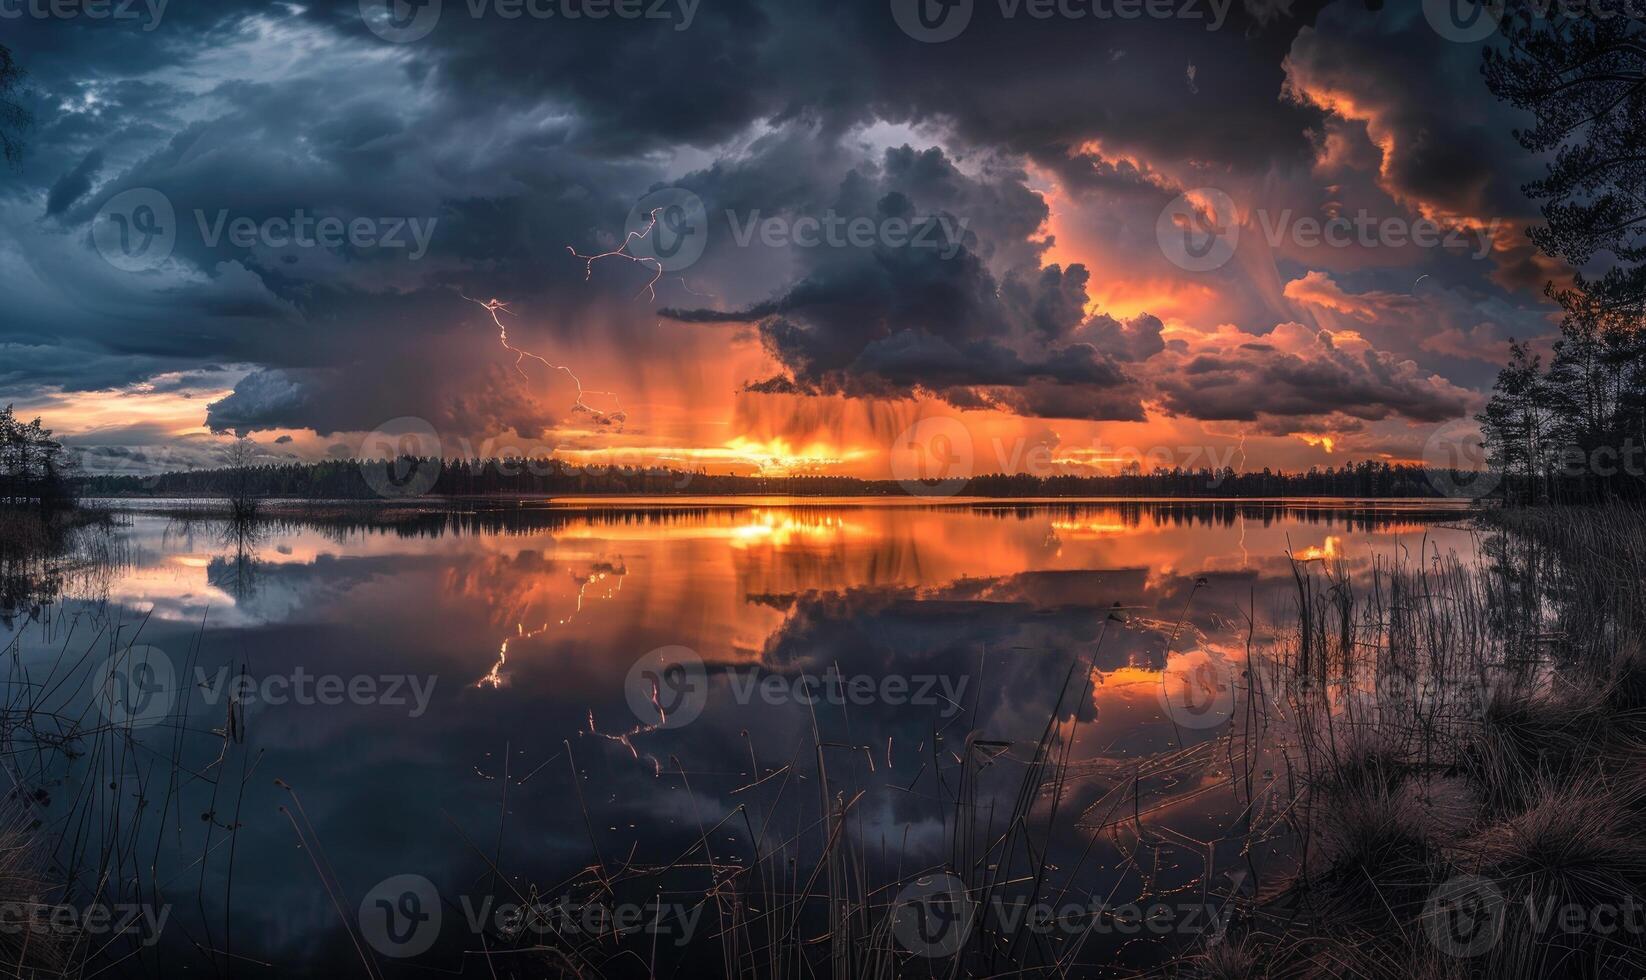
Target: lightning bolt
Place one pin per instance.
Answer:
(622, 252)
(496, 678)
(496, 306)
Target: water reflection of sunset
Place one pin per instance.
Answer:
(533, 617)
(729, 578)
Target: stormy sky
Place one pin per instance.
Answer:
(1089, 226)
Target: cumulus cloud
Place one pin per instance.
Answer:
(513, 144)
(1295, 373)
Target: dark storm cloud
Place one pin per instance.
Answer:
(1444, 141)
(520, 137)
(74, 184)
(1303, 375)
(1136, 339)
(890, 319)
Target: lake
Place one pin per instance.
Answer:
(681, 737)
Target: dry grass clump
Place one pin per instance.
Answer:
(1377, 853)
(27, 947)
(1578, 842)
(1527, 734)
(1464, 720)
(1226, 960)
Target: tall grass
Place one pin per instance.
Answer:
(1447, 720)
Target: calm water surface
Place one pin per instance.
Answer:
(491, 731)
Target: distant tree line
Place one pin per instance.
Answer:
(347, 480)
(1574, 429)
(34, 470)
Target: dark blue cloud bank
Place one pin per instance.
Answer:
(477, 153)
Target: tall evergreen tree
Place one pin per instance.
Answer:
(1583, 80)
